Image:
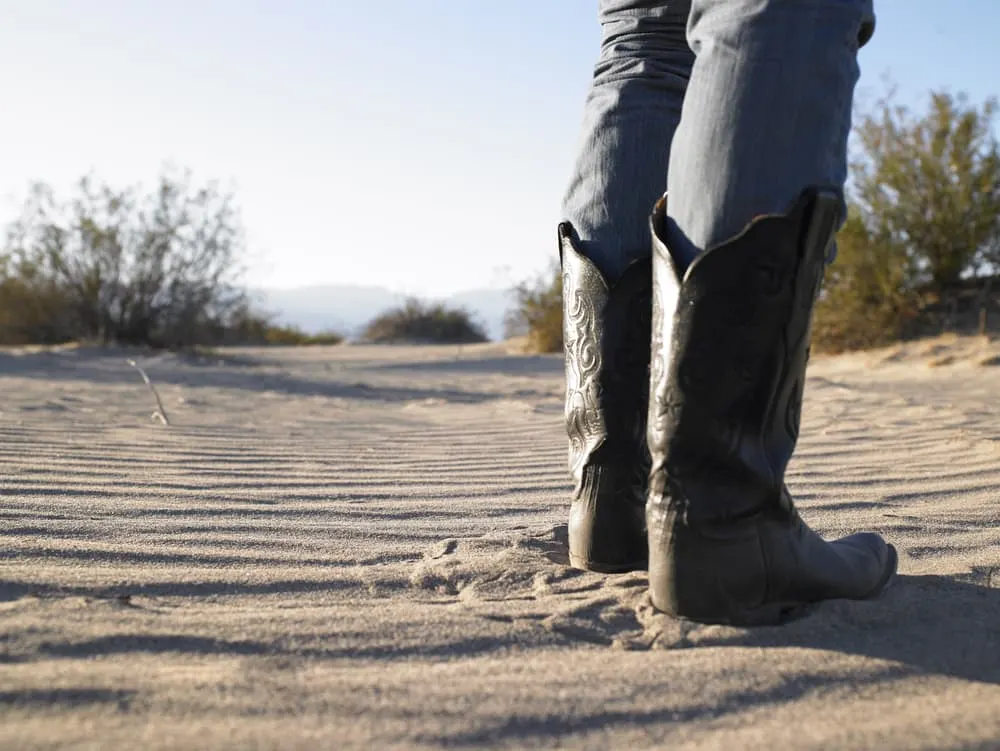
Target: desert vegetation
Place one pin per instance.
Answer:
(919, 253)
(160, 268)
(537, 312)
(417, 321)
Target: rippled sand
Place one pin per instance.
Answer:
(361, 547)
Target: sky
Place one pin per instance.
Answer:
(419, 145)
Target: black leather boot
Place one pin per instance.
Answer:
(606, 330)
(730, 344)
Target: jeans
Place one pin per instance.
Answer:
(733, 106)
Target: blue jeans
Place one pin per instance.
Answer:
(733, 106)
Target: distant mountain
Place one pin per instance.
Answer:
(347, 308)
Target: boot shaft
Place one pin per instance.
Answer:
(606, 338)
(730, 345)
(606, 335)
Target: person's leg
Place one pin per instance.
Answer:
(767, 114)
(631, 112)
(740, 244)
(632, 109)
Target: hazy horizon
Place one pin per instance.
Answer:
(347, 308)
(420, 147)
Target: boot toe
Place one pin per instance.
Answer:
(873, 560)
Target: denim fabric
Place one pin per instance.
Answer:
(735, 117)
(632, 109)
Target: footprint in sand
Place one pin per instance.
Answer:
(521, 577)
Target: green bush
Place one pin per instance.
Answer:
(923, 233)
(426, 323)
(292, 336)
(538, 312)
(868, 297)
(160, 268)
(253, 328)
(35, 311)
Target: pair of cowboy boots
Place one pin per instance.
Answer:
(683, 397)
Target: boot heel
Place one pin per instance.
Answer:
(601, 567)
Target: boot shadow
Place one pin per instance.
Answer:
(929, 624)
(932, 625)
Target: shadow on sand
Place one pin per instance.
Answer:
(928, 625)
(109, 369)
(923, 626)
(510, 365)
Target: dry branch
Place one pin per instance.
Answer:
(160, 413)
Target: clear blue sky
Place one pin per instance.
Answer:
(421, 145)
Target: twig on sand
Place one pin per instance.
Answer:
(160, 413)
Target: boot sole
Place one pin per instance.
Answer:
(606, 568)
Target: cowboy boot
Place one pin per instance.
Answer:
(729, 349)
(606, 330)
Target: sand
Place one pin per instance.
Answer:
(361, 547)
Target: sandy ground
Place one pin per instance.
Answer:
(360, 547)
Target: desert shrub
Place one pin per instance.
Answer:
(33, 309)
(924, 223)
(929, 184)
(324, 338)
(868, 295)
(423, 322)
(250, 326)
(160, 268)
(537, 312)
(293, 336)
